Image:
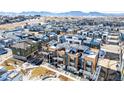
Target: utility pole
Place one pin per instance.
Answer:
(121, 60)
(49, 58)
(121, 64)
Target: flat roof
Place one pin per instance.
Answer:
(22, 45)
(30, 41)
(111, 64)
(68, 46)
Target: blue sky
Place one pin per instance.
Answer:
(62, 5)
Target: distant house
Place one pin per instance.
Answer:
(76, 39)
(93, 43)
(122, 36)
(7, 42)
(52, 35)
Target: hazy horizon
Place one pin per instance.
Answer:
(58, 6)
(63, 12)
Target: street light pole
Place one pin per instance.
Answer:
(49, 58)
(121, 60)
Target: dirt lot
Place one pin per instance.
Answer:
(63, 78)
(13, 25)
(10, 64)
(40, 71)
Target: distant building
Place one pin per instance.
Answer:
(72, 39)
(7, 42)
(93, 43)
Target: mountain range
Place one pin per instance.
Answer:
(71, 13)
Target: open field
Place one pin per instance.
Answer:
(17, 24)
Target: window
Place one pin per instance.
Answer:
(70, 42)
(76, 43)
